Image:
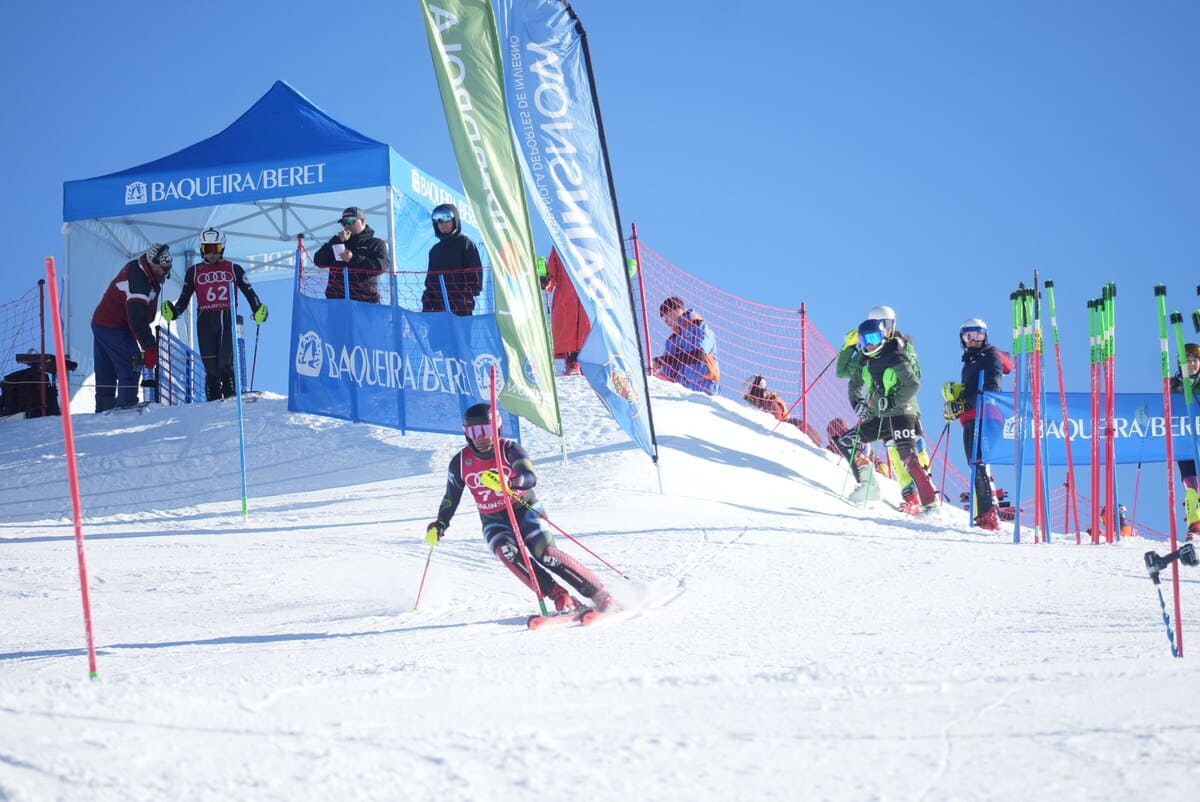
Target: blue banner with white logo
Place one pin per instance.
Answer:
(1139, 429)
(389, 366)
(557, 125)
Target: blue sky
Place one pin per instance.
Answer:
(925, 155)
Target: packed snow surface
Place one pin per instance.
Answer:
(777, 643)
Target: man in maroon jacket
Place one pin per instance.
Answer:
(121, 333)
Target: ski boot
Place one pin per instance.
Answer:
(563, 601)
(989, 520)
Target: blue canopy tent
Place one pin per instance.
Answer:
(282, 169)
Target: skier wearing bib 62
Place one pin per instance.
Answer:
(474, 467)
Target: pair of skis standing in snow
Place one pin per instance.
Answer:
(474, 468)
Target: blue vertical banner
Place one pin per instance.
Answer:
(556, 121)
(1139, 429)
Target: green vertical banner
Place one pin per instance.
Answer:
(466, 57)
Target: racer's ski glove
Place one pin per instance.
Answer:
(491, 480)
(434, 533)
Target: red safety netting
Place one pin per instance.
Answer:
(20, 328)
(781, 345)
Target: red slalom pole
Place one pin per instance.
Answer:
(64, 400)
(508, 505)
(421, 587)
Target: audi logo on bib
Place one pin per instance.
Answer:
(213, 283)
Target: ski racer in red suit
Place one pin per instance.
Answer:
(121, 333)
(474, 468)
(212, 282)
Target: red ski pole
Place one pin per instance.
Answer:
(424, 574)
(566, 534)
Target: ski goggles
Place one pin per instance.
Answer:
(871, 341)
(974, 335)
(442, 216)
(212, 248)
(478, 431)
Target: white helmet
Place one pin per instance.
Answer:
(975, 325)
(212, 241)
(887, 315)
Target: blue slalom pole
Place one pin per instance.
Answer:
(237, 390)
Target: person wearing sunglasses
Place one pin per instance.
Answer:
(454, 265)
(1187, 467)
(980, 358)
(122, 340)
(357, 251)
(474, 467)
(888, 410)
(213, 282)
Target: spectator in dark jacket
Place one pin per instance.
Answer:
(454, 261)
(121, 333)
(354, 249)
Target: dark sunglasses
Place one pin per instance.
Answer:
(348, 221)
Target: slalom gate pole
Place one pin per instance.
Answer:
(1190, 499)
(1017, 413)
(254, 362)
(1035, 357)
(1018, 300)
(64, 400)
(508, 497)
(425, 573)
(1110, 410)
(804, 394)
(1094, 348)
(237, 391)
(1039, 377)
(565, 533)
(1072, 501)
(1160, 292)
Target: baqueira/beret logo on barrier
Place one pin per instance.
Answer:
(211, 186)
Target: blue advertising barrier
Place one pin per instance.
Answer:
(389, 366)
(1139, 428)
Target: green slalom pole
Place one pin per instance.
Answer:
(1094, 386)
(1160, 293)
(1191, 501)
(1110, 392)
(1018, 419)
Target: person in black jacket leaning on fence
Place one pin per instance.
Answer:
(356, 250)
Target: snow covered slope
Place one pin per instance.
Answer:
(780, 644)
